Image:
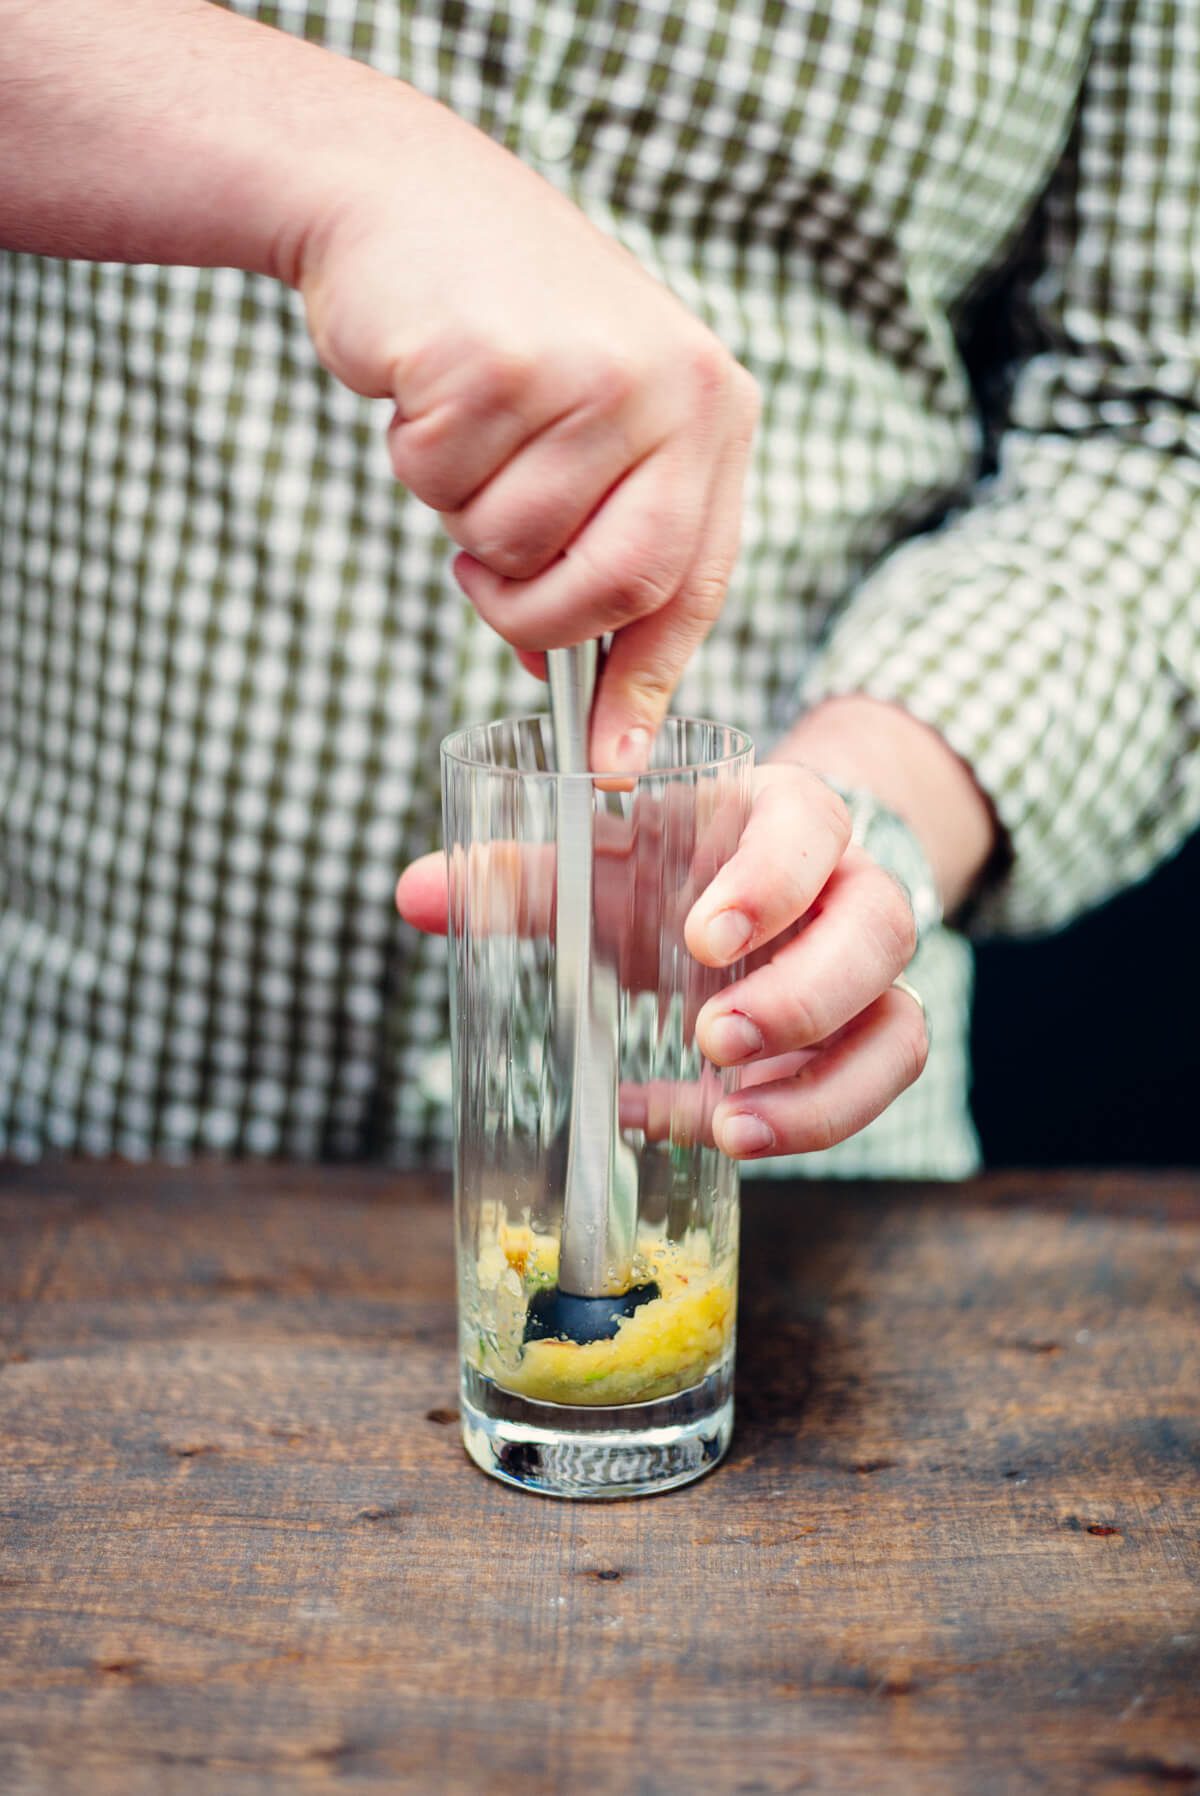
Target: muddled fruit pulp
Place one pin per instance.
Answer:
(666, 1345)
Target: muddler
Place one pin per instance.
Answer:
(595, 1291)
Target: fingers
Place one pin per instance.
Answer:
(582, 434)
(534, 506)
(676, 1110)
(795, 836)
(450, 437)
(859, 939)
(836, 1093)
(423, 894)
(681, 1110)
(649, 563)
(431, 458)
(824, 1041)
(493, 888)
(506, 887)
(516, 446)
(629, 560)
(648, 657)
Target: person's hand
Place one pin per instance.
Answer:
(582, 435)
(823, 1039)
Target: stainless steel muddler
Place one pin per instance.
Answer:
(600, 1198)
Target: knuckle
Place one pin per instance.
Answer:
(513, 560)
(519, 632)
(706, 596)
(888, 919)
(648, 691)
(710, 366)
(499, 376)
(524, 549)
(837, 815)
(439, 488)
(912, 1048)
(790, 887)
(803, 1020)
(611, 383)
(509, 621)
(820, 1131)
(438, 491)
(334, 340)
(636, 589)
(425, 458)
(516, 534)
(400, 455)
(434, 483)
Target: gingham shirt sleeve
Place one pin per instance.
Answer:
(1050, 630)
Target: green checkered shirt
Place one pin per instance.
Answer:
(956, 243)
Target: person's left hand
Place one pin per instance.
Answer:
(824, 1040)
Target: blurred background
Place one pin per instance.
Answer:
(1087, 1045)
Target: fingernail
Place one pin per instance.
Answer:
(633, 751)
(733, 1037)
(728, 934)
(743, 1133)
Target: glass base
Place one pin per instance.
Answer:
(568, 1450)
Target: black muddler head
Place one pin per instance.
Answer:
(556, 1315)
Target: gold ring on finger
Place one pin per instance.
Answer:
(901, 984)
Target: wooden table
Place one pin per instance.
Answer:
(241, 1549)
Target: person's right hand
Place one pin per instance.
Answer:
(583, 436)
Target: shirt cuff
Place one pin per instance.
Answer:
(1063, 707)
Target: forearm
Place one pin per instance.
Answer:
(1048, 631)
(861, 741)
(173, 131)
(1050, 635)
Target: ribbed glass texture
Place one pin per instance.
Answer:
(540, 1412)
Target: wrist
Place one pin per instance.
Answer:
(896, 847)
(369, 142)
(865, 744)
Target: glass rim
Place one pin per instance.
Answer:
(453, 749)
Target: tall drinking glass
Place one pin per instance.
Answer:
(650, 1405)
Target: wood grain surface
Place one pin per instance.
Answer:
(955, 1548)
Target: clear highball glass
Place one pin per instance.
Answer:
(650, 1407)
